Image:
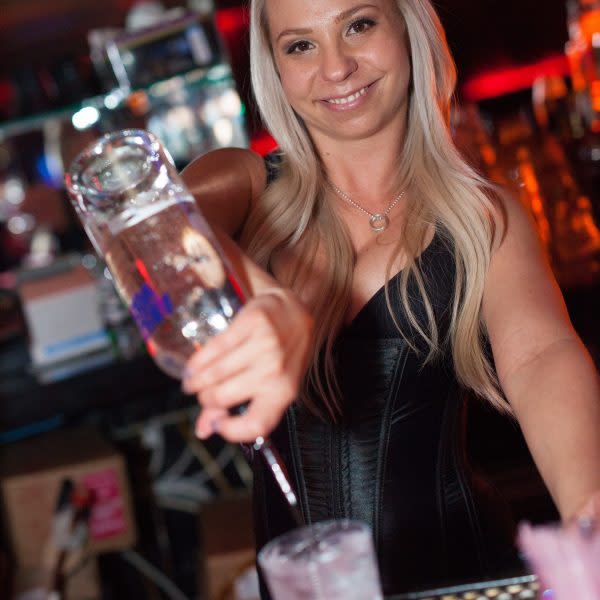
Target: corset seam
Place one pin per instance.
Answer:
(449, 432)
(384, 438)
(260, 504)
(439, 484)
(334, 472)
(346, 488)
(470, 505)
(296, 464)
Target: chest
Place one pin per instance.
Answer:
(378, 257)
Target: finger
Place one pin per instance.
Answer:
(216, 347)
(248, 384)
(249, 367)
(240, 358)
(259, 420)
(207, 421)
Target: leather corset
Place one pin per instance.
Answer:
(395, 459)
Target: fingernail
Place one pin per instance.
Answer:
(587, 526)
(201, 432)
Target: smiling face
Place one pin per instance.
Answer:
(343, 64)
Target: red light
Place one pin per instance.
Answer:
(141, 267)
(230, 20)
(263, 143)
(506, 80)
(151, 347)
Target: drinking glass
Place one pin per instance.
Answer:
(330, 560)
(164, 259)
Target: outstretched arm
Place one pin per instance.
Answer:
(263, 355)
(545, 371)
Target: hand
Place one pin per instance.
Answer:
(261, 359)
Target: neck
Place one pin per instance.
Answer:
(374, 182)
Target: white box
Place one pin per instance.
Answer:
(63, 316)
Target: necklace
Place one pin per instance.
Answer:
(378, 221)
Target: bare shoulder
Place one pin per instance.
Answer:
(225, 183)
(517, 247)
(523, 308)
(230, 163)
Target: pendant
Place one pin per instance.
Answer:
(379, 222)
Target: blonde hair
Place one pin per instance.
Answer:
(293, 211)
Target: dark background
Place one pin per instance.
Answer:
(482, 33)
(485, 34)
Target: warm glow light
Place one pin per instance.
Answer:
(595, 94)
(589, 22)
(507, 80)
(575, 51)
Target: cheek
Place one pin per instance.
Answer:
(295, 83)
(394, 57)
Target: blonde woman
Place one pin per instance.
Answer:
(383, 268)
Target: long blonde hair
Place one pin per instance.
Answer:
(293, 211)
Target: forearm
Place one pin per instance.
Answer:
(556, 398)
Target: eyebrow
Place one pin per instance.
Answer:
(341, 17)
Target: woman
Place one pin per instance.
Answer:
(410, 266)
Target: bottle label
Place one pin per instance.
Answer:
(149, 310)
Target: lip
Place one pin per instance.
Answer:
(361, 96)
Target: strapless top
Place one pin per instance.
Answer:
(395, 458)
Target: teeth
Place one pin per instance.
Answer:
(350, 98)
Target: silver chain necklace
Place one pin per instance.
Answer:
(378, 221)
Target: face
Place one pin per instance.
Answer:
(343, 64)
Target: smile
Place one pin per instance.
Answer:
(350, 98)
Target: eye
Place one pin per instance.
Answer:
(298, 47)
(361, 25)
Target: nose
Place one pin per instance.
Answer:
(338, 62)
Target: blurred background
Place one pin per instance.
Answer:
(105, 492)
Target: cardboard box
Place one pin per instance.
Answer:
(82, 584)
(227, 545)
(32, 473)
